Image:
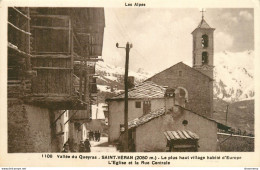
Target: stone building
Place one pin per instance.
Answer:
(153, 110)
(142, 99)
(147, 132)
(198, 79)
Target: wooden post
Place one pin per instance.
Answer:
(80, 81)
(85, 86)
(127, 48)
(126, 97)
(70, 53)
(28, 30)
(227, 114)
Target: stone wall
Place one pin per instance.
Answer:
(235, 143)
(29, 128)
(199, 86)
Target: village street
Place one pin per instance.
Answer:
(102, 146)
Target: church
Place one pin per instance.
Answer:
(196, 81)
(172, 110)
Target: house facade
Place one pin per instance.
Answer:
(148, 132)
(143, 99)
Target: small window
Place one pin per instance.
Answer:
(146, 107)
(204, 41)
(180, 73)
(185, 122)
(182, 93)
(137, 104)
(205, 58)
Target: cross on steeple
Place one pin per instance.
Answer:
(202, 11)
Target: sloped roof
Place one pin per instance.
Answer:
(203, 24)
(157, 113)
(149, 79)
(145, 118)
(143, 90)
(180, 135)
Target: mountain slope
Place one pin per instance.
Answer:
(233, 74)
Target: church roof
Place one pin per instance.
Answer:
(143, 90)
(149, 79)
(203, 24)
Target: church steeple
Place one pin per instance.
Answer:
(203, 47)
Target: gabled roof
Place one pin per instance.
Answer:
(143, 90)
(149, 79)
(157, 113)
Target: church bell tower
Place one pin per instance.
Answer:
(203, 48)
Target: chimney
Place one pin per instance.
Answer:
(169, 99)
(180, 97)
(131, 82)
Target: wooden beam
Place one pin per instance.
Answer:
(45, 27)
(12, 47)
(28, 59)
(19, 29)
(51, 100)
(51, 16)
(85, 87)
(17, 81)
(49, 52)
(70, 50)
(59, 117)
(51, 56)
(70, 117)
(52, 68)
(78, 43)
(17, 10)
(83, 33)
(49, 94)
(80, 82)
(93, 75)
(88, 59)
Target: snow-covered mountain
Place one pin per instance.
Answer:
(111, 78)
(233, 74)
(115, 73)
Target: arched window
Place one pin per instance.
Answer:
(205, 58)
(182, 92)
(181, 96)
(204, 41)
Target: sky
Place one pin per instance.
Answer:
(162, 37)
